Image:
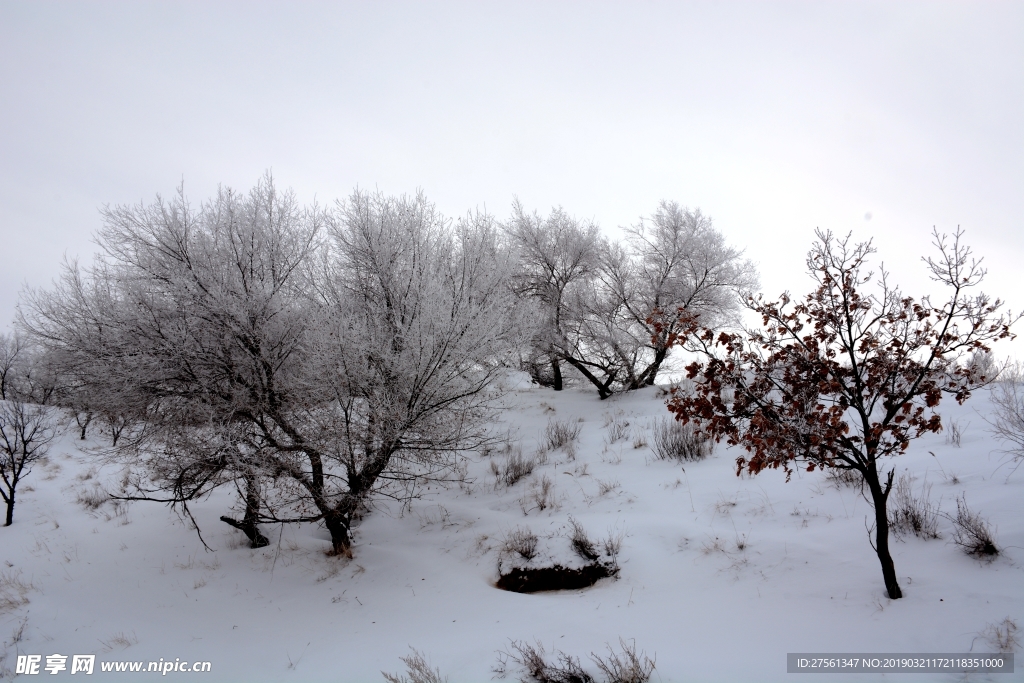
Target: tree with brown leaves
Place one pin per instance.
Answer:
(844, 377)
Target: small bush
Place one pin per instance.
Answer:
(92, 498)
(522, 542)
(955, 433)
(418, 669)
(540, 497)
(613, 544)
(618, 429)
(910, 514)
(971, 532)
(581, 543)
(559, 667)
(629, 667)
(515, 467)
(675, 440)
(1003, 636)
(560, 434)
(534, 659)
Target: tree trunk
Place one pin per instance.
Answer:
(338, 525)
(879, 498)
(652, 371)
(602, 389)
(556, 374)
(10, 510)
(83, 423)
(249, 525)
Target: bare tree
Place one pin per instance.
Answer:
(557, 259)
(1007, 423)
(248, 349)
(420, 321)
(844, 378)
(26, 432)
(11, 348)
(675, 260)
(610, 309)
(187, 326)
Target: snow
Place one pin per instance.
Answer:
(720, 576)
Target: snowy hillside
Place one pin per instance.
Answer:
(719, 576)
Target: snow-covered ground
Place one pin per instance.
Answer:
(721, 575)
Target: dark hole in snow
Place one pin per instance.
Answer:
(554, 578)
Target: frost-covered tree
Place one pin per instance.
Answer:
(310, 359)
(844, 378)
(26, 431)
(1007, 420)
(419, 323)
(673, 261)
(610, 308)
(558, 257)
(190, 324)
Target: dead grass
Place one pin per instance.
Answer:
(971, 532)
(120, 640)
(1003, 636)
(912, 514)
(521, 541)
(675, 440)
(13, 590)
(418, 670)
(559, 434)
(540, 497)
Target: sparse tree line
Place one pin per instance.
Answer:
(314, 358)
(311, 356)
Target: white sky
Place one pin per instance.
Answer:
(774, 118)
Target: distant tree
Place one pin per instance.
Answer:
(674, 261)
(1007, 420)
(27, 371)
(609, 309)
(844, 378)
(557, 259)
(26, 432)
(11, 350)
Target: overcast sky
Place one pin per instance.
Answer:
(773, 117)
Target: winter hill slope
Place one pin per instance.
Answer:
(720, 576)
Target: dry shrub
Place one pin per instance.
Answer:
(560, 667)
(534, 659)
(581, 543)
(13, 591)
(910, 514)
(521, 541)
(629, 667)
(559, 434)
(971, 532)
(418, 669)
(92, 497)
(515, 467)
(675, 440)
(618, 430)
(540, 497)
(1003, 635)
(955, 433)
